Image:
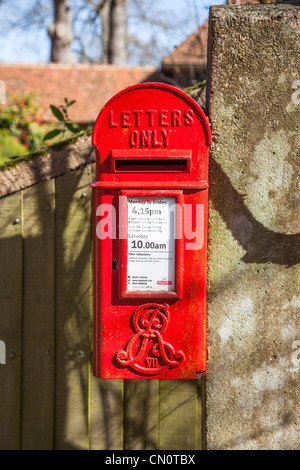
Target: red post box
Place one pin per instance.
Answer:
(150, 204)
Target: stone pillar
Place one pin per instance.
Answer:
(253, 399)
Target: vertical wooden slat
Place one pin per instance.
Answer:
(200, 413)
(106, 414)
(10, 319)
(180, 415)
(72, 318)
(38, 317)
(141, 405)
(106, 402)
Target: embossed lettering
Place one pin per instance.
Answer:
(165, 135)
(145, 138)
(134, 138)
(111, 122)
(188, 117)
(150, 113)
(162, 121)
(151, 362)
(137, 113)
(155, 142)
(176, 118)
(163, 116)
(149, 138)
(151, 118)
(125, 118)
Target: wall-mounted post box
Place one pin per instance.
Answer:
(150, 204)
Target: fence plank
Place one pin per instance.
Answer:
(106, 414)
(38, 317)
(141, 404)
(11, 320)
(106, 403)
(180, 415)
(200, 414)
(73, 286)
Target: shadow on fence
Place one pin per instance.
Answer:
(49, 398)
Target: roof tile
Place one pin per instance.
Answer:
(90, 85)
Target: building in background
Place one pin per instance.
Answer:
(93, 85)
(186, 65)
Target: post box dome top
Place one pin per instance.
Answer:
(169, 113)
(153, 128)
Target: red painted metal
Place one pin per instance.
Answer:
(152, 143)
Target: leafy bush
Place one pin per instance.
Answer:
(65, 124)
(10, 146)
(22, 129)
(23, 122)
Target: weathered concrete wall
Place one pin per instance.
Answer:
(253, 292)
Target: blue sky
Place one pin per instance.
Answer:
(32, 44)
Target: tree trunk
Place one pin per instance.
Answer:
(105, 37)
(114, 31)
(61, 33)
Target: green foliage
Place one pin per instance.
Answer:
(195, 87)
(61, 114)
(23, 131)
(10, 146)
(23, 123)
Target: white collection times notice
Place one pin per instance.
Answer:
(151, 244)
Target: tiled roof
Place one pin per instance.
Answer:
(93, 85)
(193, 51)
(242, 2)
(90, 85)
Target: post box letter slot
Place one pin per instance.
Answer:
(151, 161)
(178, 165)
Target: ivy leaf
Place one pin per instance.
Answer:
(73, 128)
(71, 102)
(52, 134)
(57, 113)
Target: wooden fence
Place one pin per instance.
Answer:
(49, 398)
